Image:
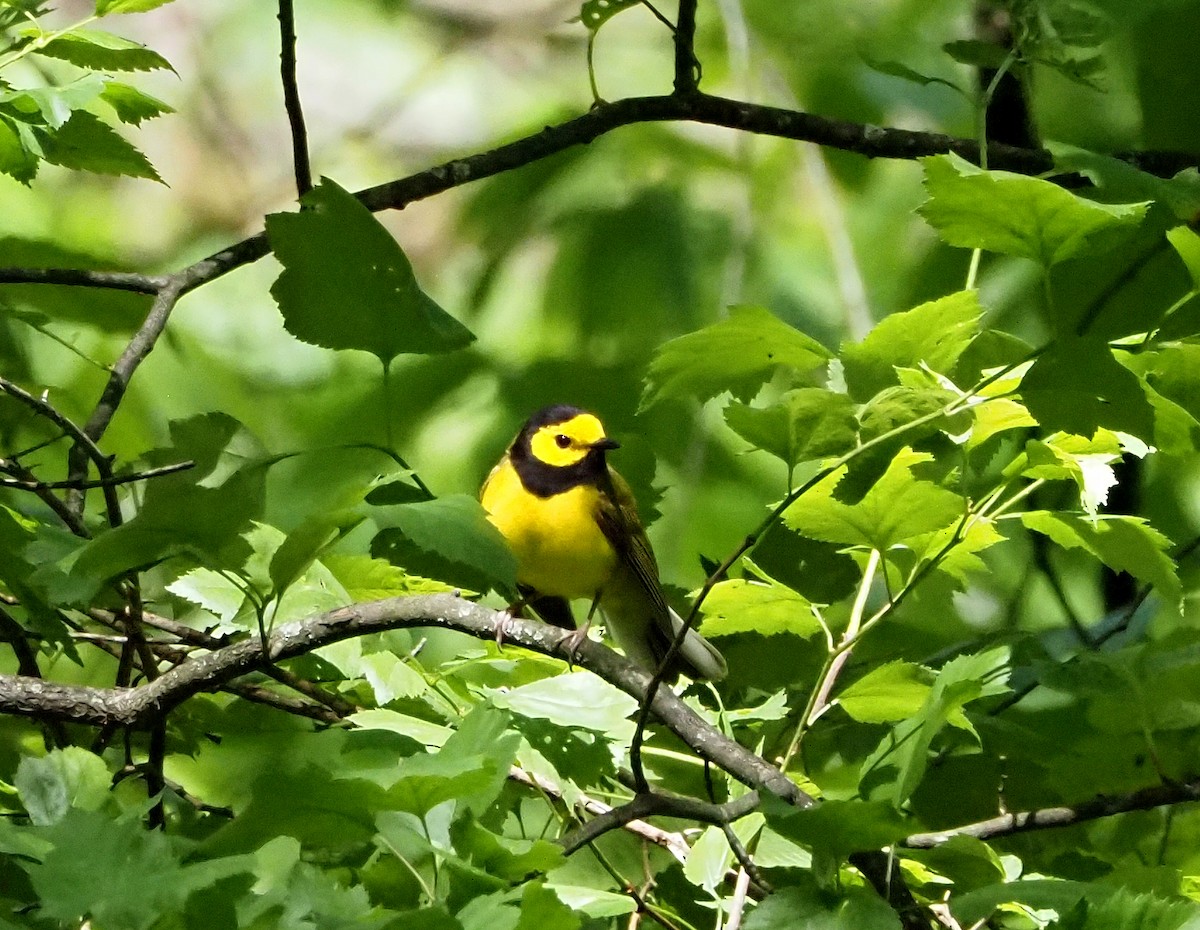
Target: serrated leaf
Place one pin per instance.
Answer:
(891, 692)
(595, 13)
(806, 424)
(391, 677)
(103, 51)
(1077, 386)
(211, 590)
(132, 105)
(582, 756)
(1018, 215)
(453, 530)
(736, 354)
(768, 609)
(335, 247)
(85, 143)
(1123, 543)
(368, 579)
(898, 507)
(932, 335)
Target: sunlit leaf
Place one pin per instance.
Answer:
(898, 507)
(736, 354)
(103, 51)
(765, 608)
(933, 335)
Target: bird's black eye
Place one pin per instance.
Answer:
(562, 441)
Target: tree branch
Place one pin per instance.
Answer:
(80, 277)
(687, 68)
(1049, 817)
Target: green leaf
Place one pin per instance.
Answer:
(105, 7)
(117, 873)
(368, 579)
(1126, 908)
(334, 247)
(852, 908)
(1187, 243)
(391, 677)
(508, 859)
(17, 158)
(736, 354)
(904, 72)
(898, 507)
(595, 13)
(960, 681)
(593, 902)
(806, 424)
(976, 54)
(54, 105)
(1121, 181)
(454, 531)
(542, 909)
(1078, 386)
(577, 699)
(838, 828)
(131, 105)
(766, 608)
(583, 756)
(306, 543)
(708, 860)
(103, 51)
(932, 335)
(1123, 543)
(87, 144)
(1017, 215)
(50, 786)
(1087, 462)
(891, 692)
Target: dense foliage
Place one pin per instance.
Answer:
(915, 438)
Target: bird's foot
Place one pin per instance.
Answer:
(572, 641)
(507, 616)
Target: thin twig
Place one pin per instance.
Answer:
(291, 96)
(1049, 817)
(30, 483)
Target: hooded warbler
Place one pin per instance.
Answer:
(572, 523)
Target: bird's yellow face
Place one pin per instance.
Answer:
(564, 444)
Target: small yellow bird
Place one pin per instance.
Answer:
(572, 523)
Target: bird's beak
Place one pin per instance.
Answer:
(605, 444)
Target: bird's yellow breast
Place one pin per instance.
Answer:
(560, 548)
